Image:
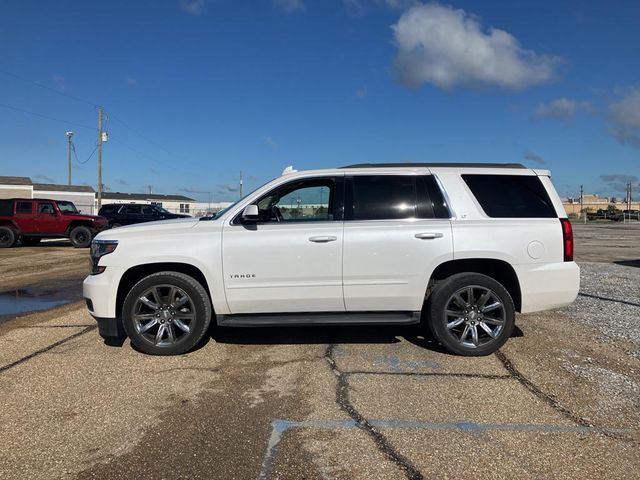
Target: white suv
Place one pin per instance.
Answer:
(462, 246)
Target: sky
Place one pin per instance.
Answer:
(195, 91)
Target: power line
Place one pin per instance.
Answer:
(41, 115)
(38, 84)
(124, 124)
(73, 149)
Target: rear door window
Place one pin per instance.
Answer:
(382, 197)
(24, 208)
(511, 196)
(132, 209)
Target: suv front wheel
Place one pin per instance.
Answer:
(166, 313)
(471, 314)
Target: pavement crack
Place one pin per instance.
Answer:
(46, 349)
(548, 399)
(381, 442)
(432, 374)
(607, 299)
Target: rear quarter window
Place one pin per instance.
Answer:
(511, 196)
(6, 207)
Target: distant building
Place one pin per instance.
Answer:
(593, 203)
(16, 187)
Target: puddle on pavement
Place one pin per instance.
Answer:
(32, 299)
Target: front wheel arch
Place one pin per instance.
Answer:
(136, 273)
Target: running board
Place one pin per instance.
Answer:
(322, 318)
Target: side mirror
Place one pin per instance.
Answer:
(250, 213)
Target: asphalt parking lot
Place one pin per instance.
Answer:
(560, 400)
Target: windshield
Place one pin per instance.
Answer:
(67, 207)
(219, 213)
(162, 210)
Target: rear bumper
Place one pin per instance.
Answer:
(548, 286)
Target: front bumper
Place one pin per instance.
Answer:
(100, 292)
(109, 328)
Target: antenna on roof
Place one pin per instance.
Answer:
(289, 170)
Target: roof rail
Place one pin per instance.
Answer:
(422, 165)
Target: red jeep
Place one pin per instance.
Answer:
(30, 220)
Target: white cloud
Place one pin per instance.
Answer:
(194, 7)
(563, 109)
(362, 91)
(624, 117)
(289, 6)
(448, 47)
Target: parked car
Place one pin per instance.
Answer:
(120, 214)
(462, 246)
(29, 220)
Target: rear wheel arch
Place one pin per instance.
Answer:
(499, 270)
(11, 224)
(79, 223)
(134, 274)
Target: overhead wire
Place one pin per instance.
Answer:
(42, 115)
(108, 115)
(38, 84)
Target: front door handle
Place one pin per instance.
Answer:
(323, 239)
(429, 235)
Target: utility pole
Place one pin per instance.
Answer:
(240, 183)
(100, 118)
(582, 204)
(69, 136)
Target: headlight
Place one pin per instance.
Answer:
(100, 248)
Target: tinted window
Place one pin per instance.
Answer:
(377, 197)
(511, 196)
(148, 210)
(109, 209)
(24, 207)
(132, 209)
(6, 207)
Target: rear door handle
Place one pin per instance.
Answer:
(429, 235)
(323, 239)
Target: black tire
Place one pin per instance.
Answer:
(8, 236)
(448, 317)
(147, 336)
(30, 241)
(80, 236)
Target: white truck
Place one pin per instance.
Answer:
(459, 247)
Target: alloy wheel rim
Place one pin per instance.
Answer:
(164, 315)
(475, 316)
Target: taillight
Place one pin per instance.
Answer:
(567, 239)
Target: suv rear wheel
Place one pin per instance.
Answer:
(166, 313)
(80, 236)
(8, 237)
(471, 314)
